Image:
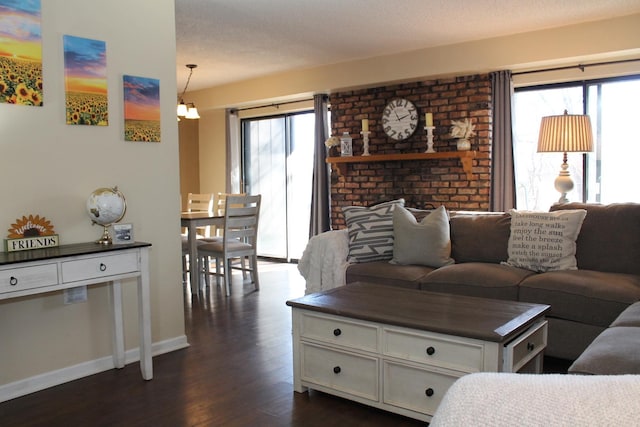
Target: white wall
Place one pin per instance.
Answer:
(49, 168)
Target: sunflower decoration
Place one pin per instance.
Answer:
(31, 226)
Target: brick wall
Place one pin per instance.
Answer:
(422, 183)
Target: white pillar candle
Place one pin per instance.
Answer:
(428, 118)
(365, 125)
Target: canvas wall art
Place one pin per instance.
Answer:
(85, 69)
(141, 109)
(20, 52)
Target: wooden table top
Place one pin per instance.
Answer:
(471, 317)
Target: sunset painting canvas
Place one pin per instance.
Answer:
(141, 109)
(85, 69)
(20, 52)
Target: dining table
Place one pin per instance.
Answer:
(191, 221)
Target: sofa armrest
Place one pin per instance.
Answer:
(324, 261)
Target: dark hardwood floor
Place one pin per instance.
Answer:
(236, 372)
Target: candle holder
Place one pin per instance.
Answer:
(429, 130)
(365, 139)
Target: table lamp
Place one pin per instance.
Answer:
(563, 134)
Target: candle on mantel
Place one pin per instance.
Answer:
(365, 125)
(428, 118)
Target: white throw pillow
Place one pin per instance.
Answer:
(371, 231)
(544, 241)
(427, 242)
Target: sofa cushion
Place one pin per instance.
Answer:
(371, 231)
(476, 279)
(585, 296)
(629, 317)
(544, 241)
(610, 237)
(421, 243)
(480, 237)
(613, 352)
(383, 272)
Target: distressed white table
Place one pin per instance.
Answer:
(68, 266)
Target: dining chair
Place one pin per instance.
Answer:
(240, 235)
(196, 202)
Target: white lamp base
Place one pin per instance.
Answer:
(563, 182)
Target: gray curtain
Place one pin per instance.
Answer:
(503, 187)
(320, 194)
(232, 184)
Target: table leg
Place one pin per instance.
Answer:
(118, 324)
(144, 318)
(194, 274)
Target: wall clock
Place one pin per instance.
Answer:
(400, 119)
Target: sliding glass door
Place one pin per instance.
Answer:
(278, 163)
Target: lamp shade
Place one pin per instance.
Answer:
(565, 133)
(192, 113)
(182, 109)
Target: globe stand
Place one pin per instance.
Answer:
(106, 237)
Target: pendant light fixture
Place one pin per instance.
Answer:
(188, 111)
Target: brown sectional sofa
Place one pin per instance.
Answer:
(584, 302)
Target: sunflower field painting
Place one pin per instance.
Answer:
(85, 68)
(20, 52)
(141, 109)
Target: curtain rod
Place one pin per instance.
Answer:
(581, 67)
(276, 105)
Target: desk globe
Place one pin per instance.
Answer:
(106, 206)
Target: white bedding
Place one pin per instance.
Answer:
(324, 261)
(501, 399)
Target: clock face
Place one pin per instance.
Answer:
(400, 119)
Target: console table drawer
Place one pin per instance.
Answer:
(449, 352)
(340, 371)
(334, 330)
(19, 279)
(414, 389)
(102, 266)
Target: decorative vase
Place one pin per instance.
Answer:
(463, 144)
(334, 151)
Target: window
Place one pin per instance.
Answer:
(278, 163)
(601, 176)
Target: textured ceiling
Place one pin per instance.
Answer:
(233, 40)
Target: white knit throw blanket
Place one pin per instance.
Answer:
(526, 400)
(324, 261)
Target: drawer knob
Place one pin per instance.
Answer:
(530, 346)
(13, 281)
(103, 267)
(431, 351)
(429, 392)
(337, 332)
(336, 369)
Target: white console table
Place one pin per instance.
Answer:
(52, 269)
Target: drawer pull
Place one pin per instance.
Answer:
(337, 332)
(430, 352)
(103, 267)
(13, 281)
(336, 369)
(429, 392)
(530, 346)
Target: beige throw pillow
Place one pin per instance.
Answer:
(544, 241)
(421, 243)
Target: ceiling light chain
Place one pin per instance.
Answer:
(188, 111)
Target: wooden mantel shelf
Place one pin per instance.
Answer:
(466, 158)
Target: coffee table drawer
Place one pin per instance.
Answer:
(451, 352)
(413, 388)
(341, 371)
(524, 348)
(334, 330)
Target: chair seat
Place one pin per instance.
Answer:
(233, 245)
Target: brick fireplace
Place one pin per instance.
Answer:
(423, 183)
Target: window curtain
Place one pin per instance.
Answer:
(320, 193)
(503, 188)
(232, 163)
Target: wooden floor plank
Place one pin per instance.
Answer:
(236, 372)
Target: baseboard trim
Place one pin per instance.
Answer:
(53, 378)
